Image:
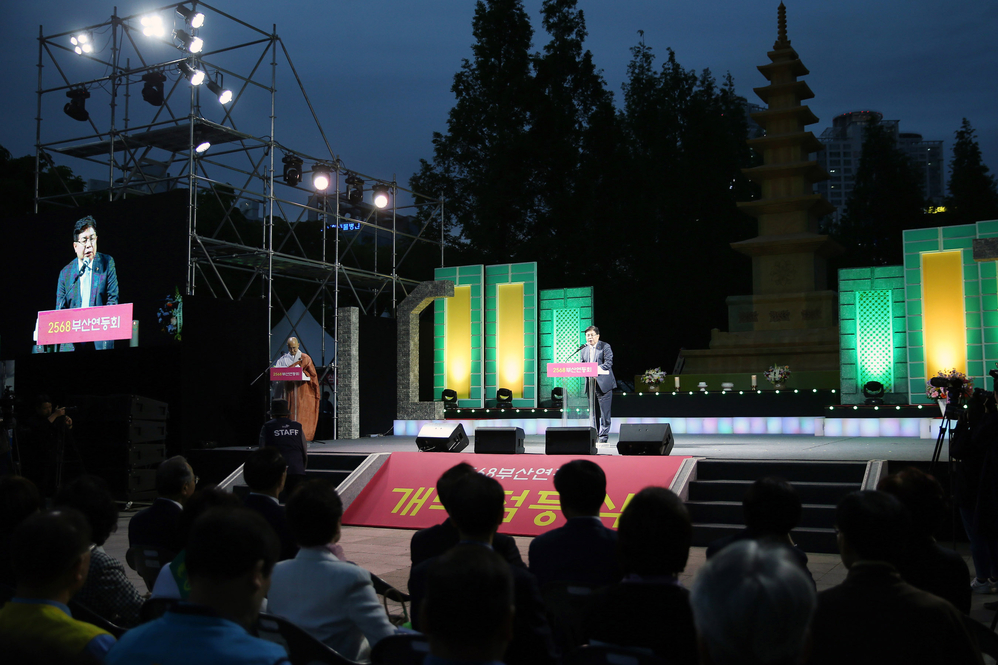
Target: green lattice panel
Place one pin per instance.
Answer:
(875, 338)
(566, 340)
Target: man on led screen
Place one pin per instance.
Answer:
(90, 280)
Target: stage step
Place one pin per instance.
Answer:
(715, 497)
(215, 465)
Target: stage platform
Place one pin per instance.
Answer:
(729, 446)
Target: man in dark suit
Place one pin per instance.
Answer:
(874, 616)
(88, 281)
(477, 507)
(265, 472)
(583, 551)
(156, 526)
(435, 540)
(600, 353)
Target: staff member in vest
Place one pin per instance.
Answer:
(289, 438)
(600, 353)
(88, 281)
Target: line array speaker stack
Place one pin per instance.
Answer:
(499, 440)
(122, 438)
(570, 441)
(645, 439)
(442, 438)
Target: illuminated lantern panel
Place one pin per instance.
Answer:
(457, 345)
(944, 315)
(509, 337)
(875, 337)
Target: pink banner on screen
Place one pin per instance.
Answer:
(85, 324)
(562, 370)
(403, 492)
(286, 374)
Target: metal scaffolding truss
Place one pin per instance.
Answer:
(252, 231)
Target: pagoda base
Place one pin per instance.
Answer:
(814, 349)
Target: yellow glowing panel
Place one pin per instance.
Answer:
(944, 318)
(457, 342)
(509, 337)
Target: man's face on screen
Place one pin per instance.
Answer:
(86, 244)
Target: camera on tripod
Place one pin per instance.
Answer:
(954, 394)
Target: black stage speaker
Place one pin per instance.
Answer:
(499, 440)
(645, 439)
(570, 441)
(442, 438)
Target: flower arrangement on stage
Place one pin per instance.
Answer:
(171, 315)
(933, 392)
(777, 374)
(653, 377)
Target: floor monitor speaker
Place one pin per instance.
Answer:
(645, 439)
(442, 438)
(499, 440)
(570, 441)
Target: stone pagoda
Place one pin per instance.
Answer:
(790, 318)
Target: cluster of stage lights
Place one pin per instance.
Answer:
(322, 178)
(154, 81)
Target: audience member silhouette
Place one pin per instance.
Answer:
(874, 616)
(107, 592)
(332, 600)
(230, 556)
(19, 499)
(51, 557)
(771, 508)
(173, 580)
(435, 540)
(156, 526)
(469, 607)
(654, 538)
(752, 605)
(583, 550)
(924, 563)
(476, 506)
(265, 472)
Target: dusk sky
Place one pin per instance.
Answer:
(379, 72)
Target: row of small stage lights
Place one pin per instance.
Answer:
(322, 178)
(152, 90)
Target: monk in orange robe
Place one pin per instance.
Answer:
(303, 400)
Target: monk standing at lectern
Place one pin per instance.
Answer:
(303, 399)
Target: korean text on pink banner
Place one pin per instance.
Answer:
(85, 324)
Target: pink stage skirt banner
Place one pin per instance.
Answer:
(85, 324)
(403, 492)
(562, 370)
(286, 374)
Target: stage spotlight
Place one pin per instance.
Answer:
(83, 42)
(321, 177)
(379, 196)
(355, 189)
(201, 144)
(193, 74)
(189, 43)
(152, 91)
(152, 26)
(558, 395)
(449, 397)
(224, 96)
(504, 397)
(292, 169)
(193, 18)
(76, 107)
(874, 392)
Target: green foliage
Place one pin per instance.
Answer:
(17, 183)
(885, 200)
(973, 192)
